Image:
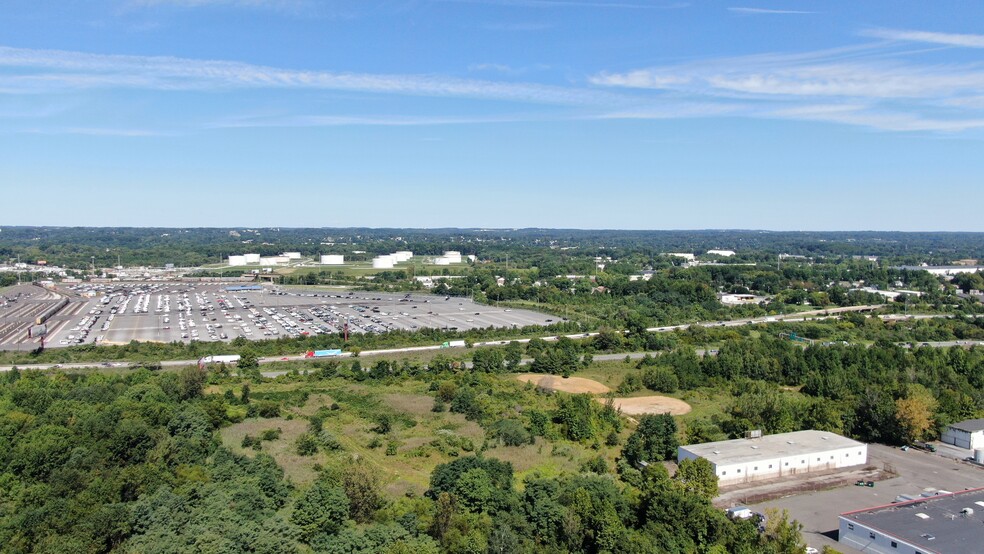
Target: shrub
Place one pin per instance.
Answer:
(306, 445)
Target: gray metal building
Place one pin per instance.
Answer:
(946, 524)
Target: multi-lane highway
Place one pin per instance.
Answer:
(802, 316)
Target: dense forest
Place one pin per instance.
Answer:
(74, 247)
(134, 463)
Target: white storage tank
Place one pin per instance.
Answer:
(269, 260)
(442, 261)
(382, 262)
(292, 255)
(252, 258)
(332, 259)
(979, 455)
(453, 256)
(403, 255)
(237, 260)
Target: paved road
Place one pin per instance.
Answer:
(802, 316)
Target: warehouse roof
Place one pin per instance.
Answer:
(770, 446)
(945, 523)
(969, 425)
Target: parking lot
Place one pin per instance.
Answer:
(918, 471)
(116, 313)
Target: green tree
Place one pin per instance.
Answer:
(191, 381)
(361, 486)
(248, 360)
(653, 440)
(322, 508)
(696, 476)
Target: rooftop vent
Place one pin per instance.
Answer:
(921, 515)
(717, 451)
(927, 536)
(967, 511)
(755, 447)
(980, 503)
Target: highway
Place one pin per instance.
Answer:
(798, 317)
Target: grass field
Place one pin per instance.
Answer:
(418, 438)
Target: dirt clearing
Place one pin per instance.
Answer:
(571, 384)
(642, 405)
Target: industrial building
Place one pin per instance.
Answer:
(774, 456)
(944, 524)
(967, 434)
(332, 259)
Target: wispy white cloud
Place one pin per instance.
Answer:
(57, 70)
(270, 4)
(94, 132)
(350, 121)
(518, 27)
(573, 4)
(874, 87)
(767, 11)
(947, 39)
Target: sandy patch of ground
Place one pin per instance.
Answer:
(642, 405)
(557, 383)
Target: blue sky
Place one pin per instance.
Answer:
(631, 114)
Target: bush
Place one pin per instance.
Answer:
(631, 383)
(306, 445)
(511, 432)
(595, 465)
(329, 441)
(660, 379)
(270, 434)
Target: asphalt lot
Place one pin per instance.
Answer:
(153, 311)
(917, 471)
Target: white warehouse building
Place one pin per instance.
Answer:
(773, 456)
(332, 259)
(967, 434)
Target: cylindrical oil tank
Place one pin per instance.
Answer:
(453, 256)
(382, 262)
(979, 455)
(332, 259)
(237, 260)
(252, 258)
(403, 255)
